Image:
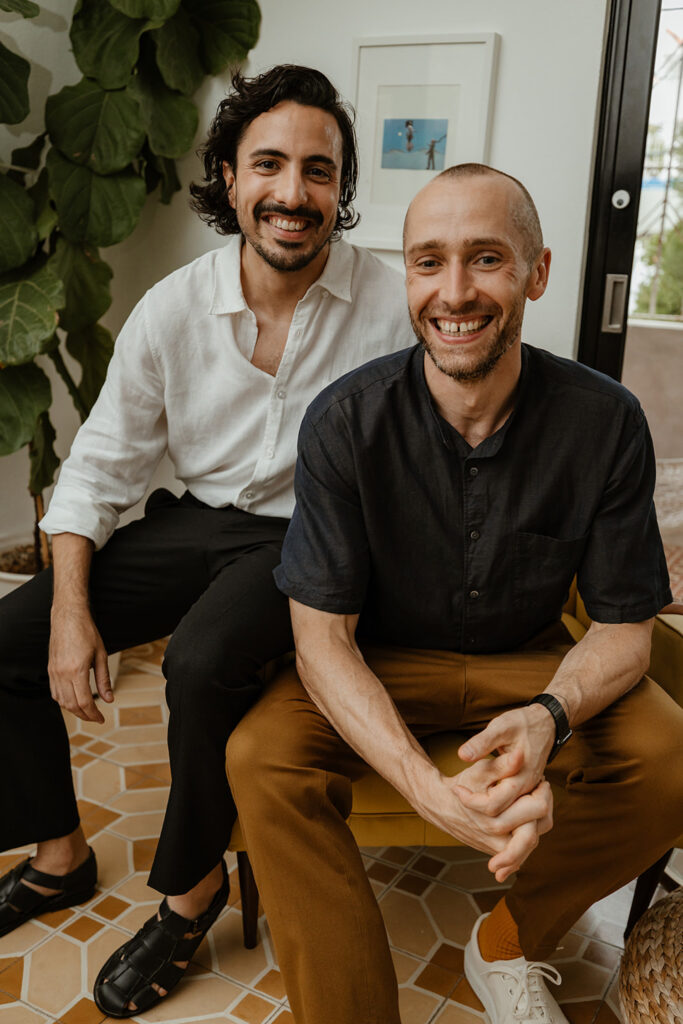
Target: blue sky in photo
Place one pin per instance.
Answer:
(394, 150)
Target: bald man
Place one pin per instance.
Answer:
(446, 497)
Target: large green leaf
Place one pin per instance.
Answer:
(105, 42)
(229, 29)
(25, 394)
(93, 348)
(14, 72)
(28, 314)
(46, 215)
(94, 208)
(18, 234)
(170, 119)
(99, 127)
(177, 44)
(146, 8)
(86, 284)
(42, 455)
(24, 7)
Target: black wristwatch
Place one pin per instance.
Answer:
(562, 730)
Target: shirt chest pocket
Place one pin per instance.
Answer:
(543, 570)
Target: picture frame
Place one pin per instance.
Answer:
(422, 104)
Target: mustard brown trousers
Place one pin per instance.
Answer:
(618, 807)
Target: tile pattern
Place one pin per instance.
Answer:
(430, 899)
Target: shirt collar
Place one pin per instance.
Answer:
(337, 272)
(448, 434)
(227, 283)
(227, 286)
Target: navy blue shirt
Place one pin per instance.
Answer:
(440, 545)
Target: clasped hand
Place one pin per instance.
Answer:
(75, 647)
(505, 803)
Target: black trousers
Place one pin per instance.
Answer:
(204, 575)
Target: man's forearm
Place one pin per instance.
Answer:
(71, 558)
(356, 703)
(604, 665)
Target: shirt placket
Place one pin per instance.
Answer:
(277, 407)
(474, 471)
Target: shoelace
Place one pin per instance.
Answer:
(527, 993)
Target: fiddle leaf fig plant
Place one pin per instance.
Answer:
(80, 186)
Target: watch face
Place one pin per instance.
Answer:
(559, 743)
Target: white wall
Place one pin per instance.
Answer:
(545, 109)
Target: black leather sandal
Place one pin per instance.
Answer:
(19, 903)
(148, 958)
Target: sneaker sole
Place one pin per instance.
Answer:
(480, 990)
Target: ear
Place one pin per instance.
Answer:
(229, 179)
(538, 279)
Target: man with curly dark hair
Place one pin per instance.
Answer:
(216, 365)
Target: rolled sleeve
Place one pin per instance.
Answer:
(325, 560)
(623, 575)
(118, 447)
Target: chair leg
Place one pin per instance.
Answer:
(249, 895)
(645, 890)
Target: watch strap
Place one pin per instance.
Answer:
(562, 729)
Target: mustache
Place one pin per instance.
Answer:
(300, 213)
(470, 309)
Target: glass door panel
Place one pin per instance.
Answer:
(653, 356)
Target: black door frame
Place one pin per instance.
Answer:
(620, 154)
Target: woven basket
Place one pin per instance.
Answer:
(651, 977)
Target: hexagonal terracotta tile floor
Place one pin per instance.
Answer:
(429, 898)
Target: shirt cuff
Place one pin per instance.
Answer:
(615, 614)
(336, 604)
(86, 522)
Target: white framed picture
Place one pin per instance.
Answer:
(422, 104)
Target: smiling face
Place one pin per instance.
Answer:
(468, 272)
(285, 188)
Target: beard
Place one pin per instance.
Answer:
(465, 366)
(287, 256)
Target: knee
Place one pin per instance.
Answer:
(255, 752)
(657, 772)
(205, 668)
(270, 761)
(243, 756)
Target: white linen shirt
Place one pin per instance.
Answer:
(181, 380)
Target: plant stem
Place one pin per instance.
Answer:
(81, 408)
(42, 549)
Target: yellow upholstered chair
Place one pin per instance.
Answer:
(381, 817)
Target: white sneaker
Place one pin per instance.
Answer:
(512, 991)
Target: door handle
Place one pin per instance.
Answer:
(614, 304)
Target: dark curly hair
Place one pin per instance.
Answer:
(254, 96)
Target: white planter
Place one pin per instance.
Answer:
(9, 581)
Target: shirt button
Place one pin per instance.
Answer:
(471, 639)
(473, 470)
(474, 535)
(250, 494)
(282, 394)
(474, 594)
(270, 452)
